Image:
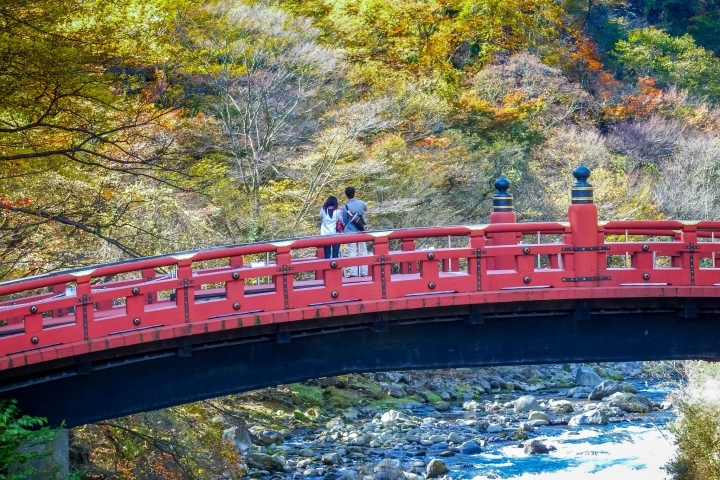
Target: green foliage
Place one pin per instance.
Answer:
(670, 61)
(697, 429)
(307, 395)
(17, 430)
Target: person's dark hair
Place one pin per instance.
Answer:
(331, 203)
(350, 192)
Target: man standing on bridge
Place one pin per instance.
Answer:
(355, 209)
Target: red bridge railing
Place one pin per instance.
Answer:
(76, 312)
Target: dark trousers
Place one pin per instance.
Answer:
(334, 249)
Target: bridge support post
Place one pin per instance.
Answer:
(53, 458)
(583, 218)
(503, 213)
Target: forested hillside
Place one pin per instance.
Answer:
(137, 127)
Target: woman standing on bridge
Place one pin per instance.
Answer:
(330, 215)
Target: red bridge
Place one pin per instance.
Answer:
(104, 341)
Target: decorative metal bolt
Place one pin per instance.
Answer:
(646, 276)
(33, 309)
(431, 285)
(334, 294)
(236, 306)
(430, 255)
(136, 321)
(582, 191)
(34, 340)
(526, 279)
(333, 264)
(645, 247)
(135, 290)
(526, 250)
(236, 276)
(502, 201)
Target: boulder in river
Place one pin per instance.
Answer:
(436, 468)
(592, 417)
(333, 458)
(388, 469)
(627, 402)
(471, 447)
(535, 447)
(608, 387)
(535, 415)
(391, 416)
(526, 403)
(263, 461)
(586, 377)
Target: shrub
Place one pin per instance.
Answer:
(17, 430)
(697, 429)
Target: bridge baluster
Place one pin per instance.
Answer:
(284, 278)
(408, 245)
(84, 313)
(583, 218)
(689, 258)
(503, 213)
(235, 289)
(149, 275)
(185, 297)
(478, 263)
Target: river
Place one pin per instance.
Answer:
(619, 451)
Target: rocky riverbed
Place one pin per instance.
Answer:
(446, 424)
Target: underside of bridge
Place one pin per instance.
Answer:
(166, 373)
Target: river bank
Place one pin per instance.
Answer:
(510, 422)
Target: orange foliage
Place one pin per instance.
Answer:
(587, 54)
(641, 105)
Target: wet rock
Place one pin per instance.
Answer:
(473, 406)
(526, 403)
(454, 437)
(268, 437)
(306, 452)
(351, 414)
(351, 475)
(388, 469)
(412, 476)
(442, 406)
(608, 387)
(592, 417)
(560, 407)
(494, 428)
(335, 423)
(240, 436)
(395, 390)
(586, 377)
(535, 447)
(538, 423)
(331, 459)
(392, 416)
(436, 468)
(628, 402)
(535, 415)
(363, 439)
(471, 447)
(263, 461)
